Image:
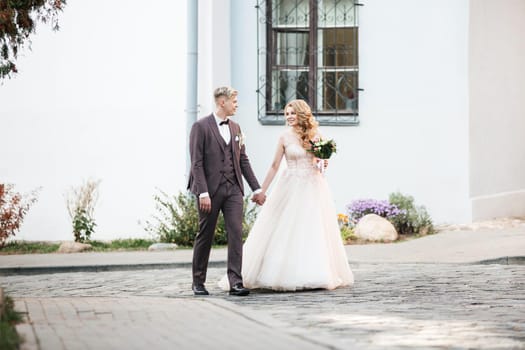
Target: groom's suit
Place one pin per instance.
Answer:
(218, 169)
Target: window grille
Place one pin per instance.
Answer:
(308, 49)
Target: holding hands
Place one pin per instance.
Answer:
(205, 202)
(259, 198)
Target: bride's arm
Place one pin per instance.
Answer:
(274, 167)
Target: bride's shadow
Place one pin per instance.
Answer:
(271, 291)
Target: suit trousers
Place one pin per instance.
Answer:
(229, 200)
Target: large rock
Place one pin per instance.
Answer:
(73, 247)
(373, 227)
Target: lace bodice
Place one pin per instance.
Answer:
(298, 160)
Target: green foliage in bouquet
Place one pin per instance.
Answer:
(412, 219)
(323, 148)
(177, 220)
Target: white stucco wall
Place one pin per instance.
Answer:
(497, 108)
(413, 135)
(102, 98)
(214, 51)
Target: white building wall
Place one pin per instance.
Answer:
(102, 98)
(413, 132)
(497, 108)
(214, 51)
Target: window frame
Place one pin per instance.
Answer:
(268, 57)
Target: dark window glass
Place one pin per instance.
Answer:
(325, 76)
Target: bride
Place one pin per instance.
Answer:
(295, 242)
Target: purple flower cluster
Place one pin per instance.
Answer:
(359, 208)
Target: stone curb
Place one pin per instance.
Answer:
(506, 260)
(38, 270)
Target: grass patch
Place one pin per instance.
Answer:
(122, 244)
(9, 339)
(30, 247)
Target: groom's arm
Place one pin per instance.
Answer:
(258, 196)
(200, 186)
(244, 162)
(197, 159)
(247, 171)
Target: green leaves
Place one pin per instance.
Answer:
(413, 219)
(17, 21)
(323, 148)
(80, 202)
(9, 317)
(83, 226)
(177, 220)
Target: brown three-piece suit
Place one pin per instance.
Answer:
(218, 168)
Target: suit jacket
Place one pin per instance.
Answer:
(207, 150)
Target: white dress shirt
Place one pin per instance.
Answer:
(223, 129)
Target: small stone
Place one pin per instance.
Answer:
(73, 247)
(162, 246)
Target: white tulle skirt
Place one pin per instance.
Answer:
(295, 242)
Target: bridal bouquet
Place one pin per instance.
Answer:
(322, 149)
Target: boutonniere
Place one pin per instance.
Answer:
(240, 138)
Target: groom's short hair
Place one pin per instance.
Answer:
(225, 91)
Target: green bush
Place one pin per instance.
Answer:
(83, 226)
(177, 220)
(9, 317)
(347, 234)
(80, 202)
(13, 209)
(413, 219)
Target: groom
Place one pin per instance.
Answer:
(218, 164)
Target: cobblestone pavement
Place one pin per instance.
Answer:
(394, 306)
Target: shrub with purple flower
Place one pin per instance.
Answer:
(361, 207)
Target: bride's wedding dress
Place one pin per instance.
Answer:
(295, 242)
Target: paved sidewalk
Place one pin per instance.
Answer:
(427, 293)
(467, 246)
(484, 245)
(148, 323)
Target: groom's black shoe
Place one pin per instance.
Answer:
(199, 289)
(239, 290)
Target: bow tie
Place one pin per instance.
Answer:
(227, 121)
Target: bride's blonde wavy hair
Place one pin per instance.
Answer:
(306, 123)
